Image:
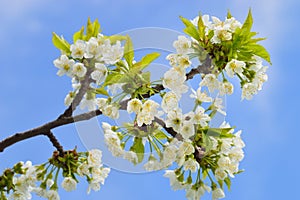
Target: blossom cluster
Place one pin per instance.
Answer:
(238, 53)
(25, 179)
(218, 163)
(106, 77)
(197, 149)
(89, 62)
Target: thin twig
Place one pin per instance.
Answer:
(55, 142)
(66, 117)
(85, 83)
(46, 128)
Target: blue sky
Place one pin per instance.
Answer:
(32, 94)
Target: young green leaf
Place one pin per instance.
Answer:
(138, 148)
(102, 91)
(112, 79)
(260, 51)
(61, 43)
(145, 61)
(190, 29)
(248, 22)
(114, 38)
(206, 142)
(219, 132)
(89, 29)
(96, 27)
(160, 135)
(228, 182)
(201, 28)
(128, 51)
(78, 35)
(229, 14)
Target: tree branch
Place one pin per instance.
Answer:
(199, 151)
(66, 117)
(46, 128)
(55, 142)
(85, 83)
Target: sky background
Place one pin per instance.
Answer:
(32, 94)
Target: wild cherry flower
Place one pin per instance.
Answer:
(69, 184)
(235, 67)
(182, 45)
(78, 49)
(64, 64)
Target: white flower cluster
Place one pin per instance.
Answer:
(251, 73)
(252, 88)
(112, 140)
(93, 169)
(109, 109)
(90, 58)
(114, 145)
(174, 79)
(222, 30)
(236, 67)
(224, 164)
(25, 178)
(145, 111)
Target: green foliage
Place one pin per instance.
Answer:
(114, 38)
(206, 142)
(138, 148)
(136, 82)
(145, 61)
(219, 132)
(201, 28)
(128, 51)
(92, 30)
(190, 29)
(78, 35)
(160, 135)
(244, 46)
(102, 91)
(61, 43)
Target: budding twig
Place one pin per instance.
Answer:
(85, 83)
(55, 142)
(66, 117)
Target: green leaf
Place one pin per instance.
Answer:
(205, 173)
(260, 51)
(145, 61)
(61, 43)
(248, 22)
(206, 142)
(138, 148)
(201, 28)
(160, 135)
(112, 79)
(229, 14)
(89, 29)
(102, 91)
(228, 182)
(221, 184)
(186, 21)
(115, 38)
(219, 132)
(128, 51)
(239, 172)
(146, 77)
(255, 40)
(190, 28)
(192, 31)
(78, 35)
(96, 27)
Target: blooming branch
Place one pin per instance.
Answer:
(106, 78)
